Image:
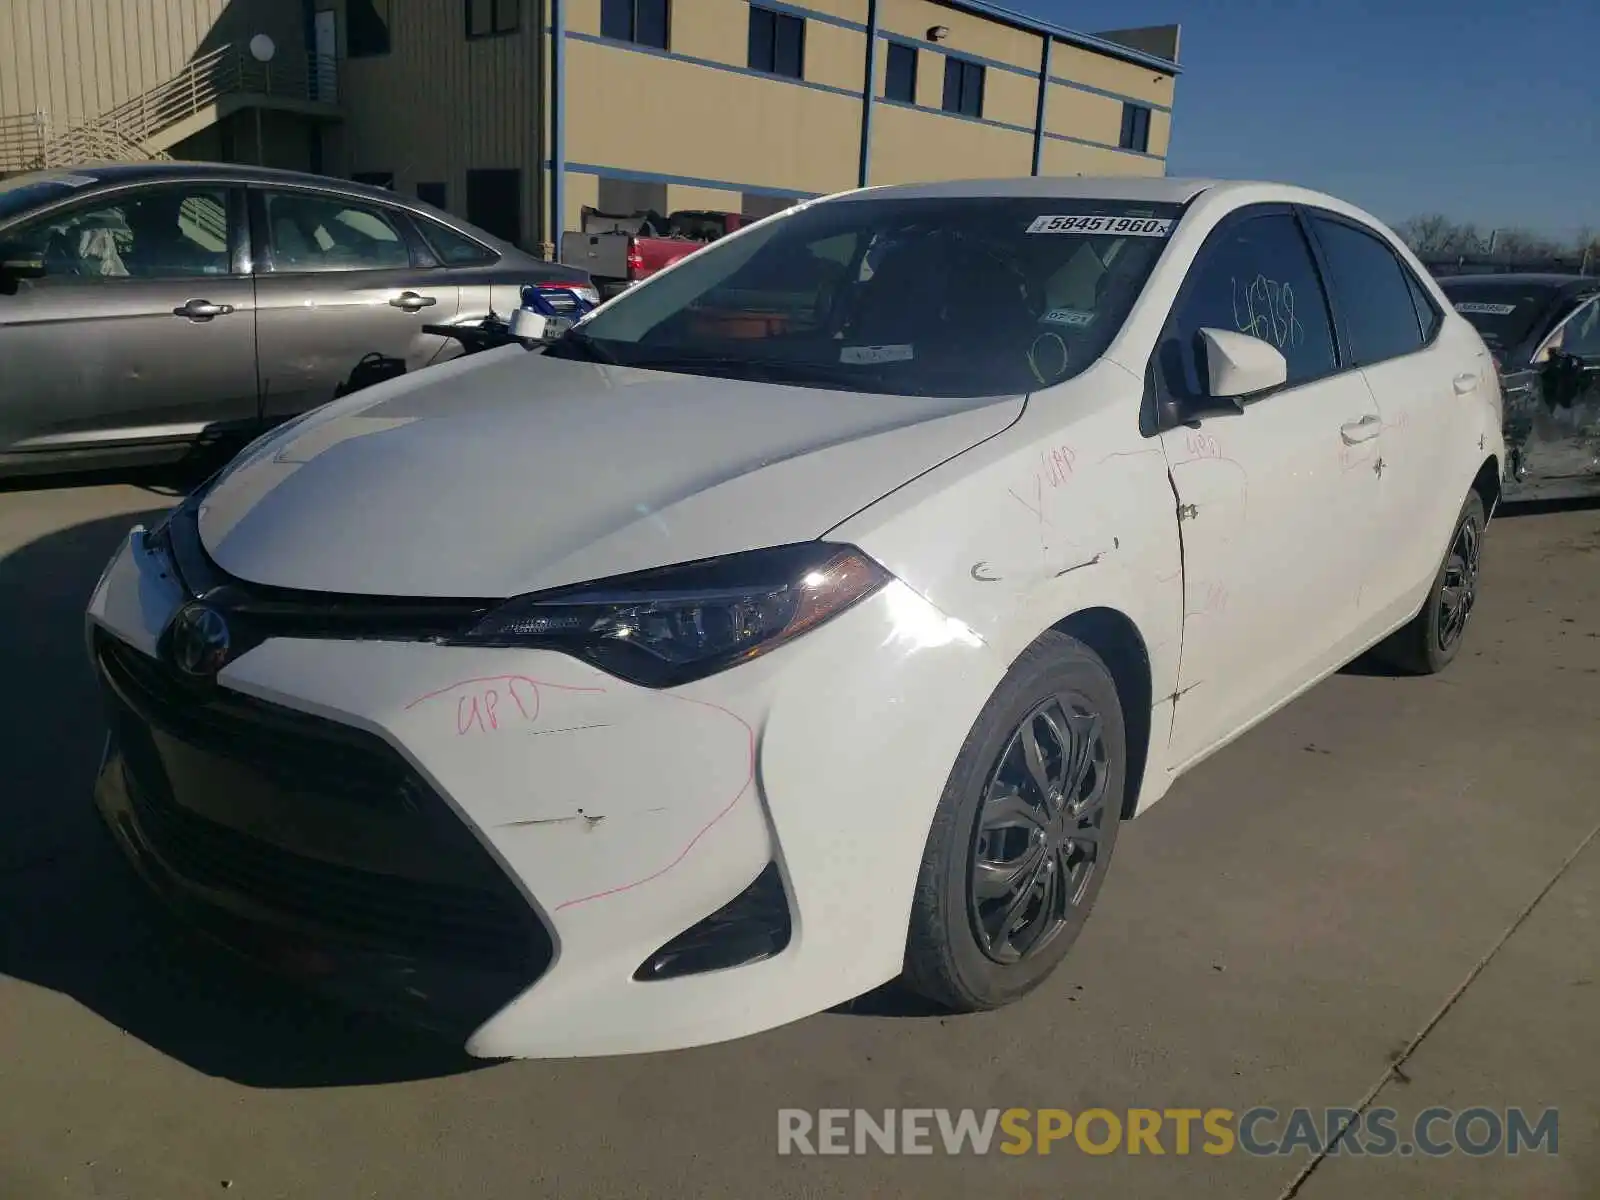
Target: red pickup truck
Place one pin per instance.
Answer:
(618, 251)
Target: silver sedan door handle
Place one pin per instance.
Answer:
(1465, 383)
(201, 310)
(1355, 432)
(411, 301)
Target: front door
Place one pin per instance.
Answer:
(1563, 446)
(1277, 503)
(336, 286)
(141, 330)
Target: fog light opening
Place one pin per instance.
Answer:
(752, 926)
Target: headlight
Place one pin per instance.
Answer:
(669, 626)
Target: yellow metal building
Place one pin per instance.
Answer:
(518, 114)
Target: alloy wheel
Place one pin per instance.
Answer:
(1460, 590)
(1038, 832)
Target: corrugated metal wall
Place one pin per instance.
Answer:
(440, 103)
(76, 59)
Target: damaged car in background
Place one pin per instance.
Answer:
(1544, 333)
(808, 616)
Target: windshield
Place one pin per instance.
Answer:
(933, 297)
(23, 193)
(1503, 316)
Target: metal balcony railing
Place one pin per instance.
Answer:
(128, 131)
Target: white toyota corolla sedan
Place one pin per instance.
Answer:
(807, 617)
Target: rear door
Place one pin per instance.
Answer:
(1422, 380)
(339, 280)
(141, 331)
(1276, 503)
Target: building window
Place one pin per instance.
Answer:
(383, 179)
(777, 43)
(1135, 128)
(963, 87)
(366, 28)
(433, 193)
(494, 202)
(492, 18)
(643, 22)
(900, 80)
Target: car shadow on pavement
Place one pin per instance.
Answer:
(72, 918)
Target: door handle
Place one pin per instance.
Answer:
(201, 310)
(1355, 432)
(1465, 383)
(411, 301)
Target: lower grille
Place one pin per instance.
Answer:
(296, 821)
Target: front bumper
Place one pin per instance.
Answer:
(494, 841)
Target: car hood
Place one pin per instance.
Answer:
(507, 472)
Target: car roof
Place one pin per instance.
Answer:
(118, 174)
(1064, 187)
(1218, 195)
(1523, 281)
(155, 172)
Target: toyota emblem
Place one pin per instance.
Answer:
(198, 640)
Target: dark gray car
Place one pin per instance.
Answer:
(1544, 333)
(146, 307)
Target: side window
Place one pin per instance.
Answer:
(1372, 292)
(320, 233)
(455, 249)
(1581, 334)
(900, 73)
(1256, 277)
(164, 233)
(1428, 315)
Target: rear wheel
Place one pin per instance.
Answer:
(1433, 638)
(1023, 834)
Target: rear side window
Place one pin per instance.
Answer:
(1372, 291)
(1255, 277)
(455, 249)
(321, 233)
(1428, 315)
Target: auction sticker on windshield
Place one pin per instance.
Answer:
(1128, 226)
(1488, 310)
(1068, 316)
(876, 354)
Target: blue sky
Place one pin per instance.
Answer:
(1486, 111)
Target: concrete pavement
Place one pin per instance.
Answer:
(1277, 932)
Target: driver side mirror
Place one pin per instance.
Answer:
(18, 262)
(1240, 367)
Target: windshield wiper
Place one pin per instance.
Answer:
(580, 347)
(847, 376)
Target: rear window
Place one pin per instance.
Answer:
(455, 249)
(1503, 316)
(935, 297)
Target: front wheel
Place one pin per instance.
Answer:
(1023, 834)
(1433, 638)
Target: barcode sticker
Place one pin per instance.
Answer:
(876, 354)
(1123, 226)
(1488, 310)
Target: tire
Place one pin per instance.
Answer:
(1434, 636)
(960, 951)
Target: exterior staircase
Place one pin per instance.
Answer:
(145, 128)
